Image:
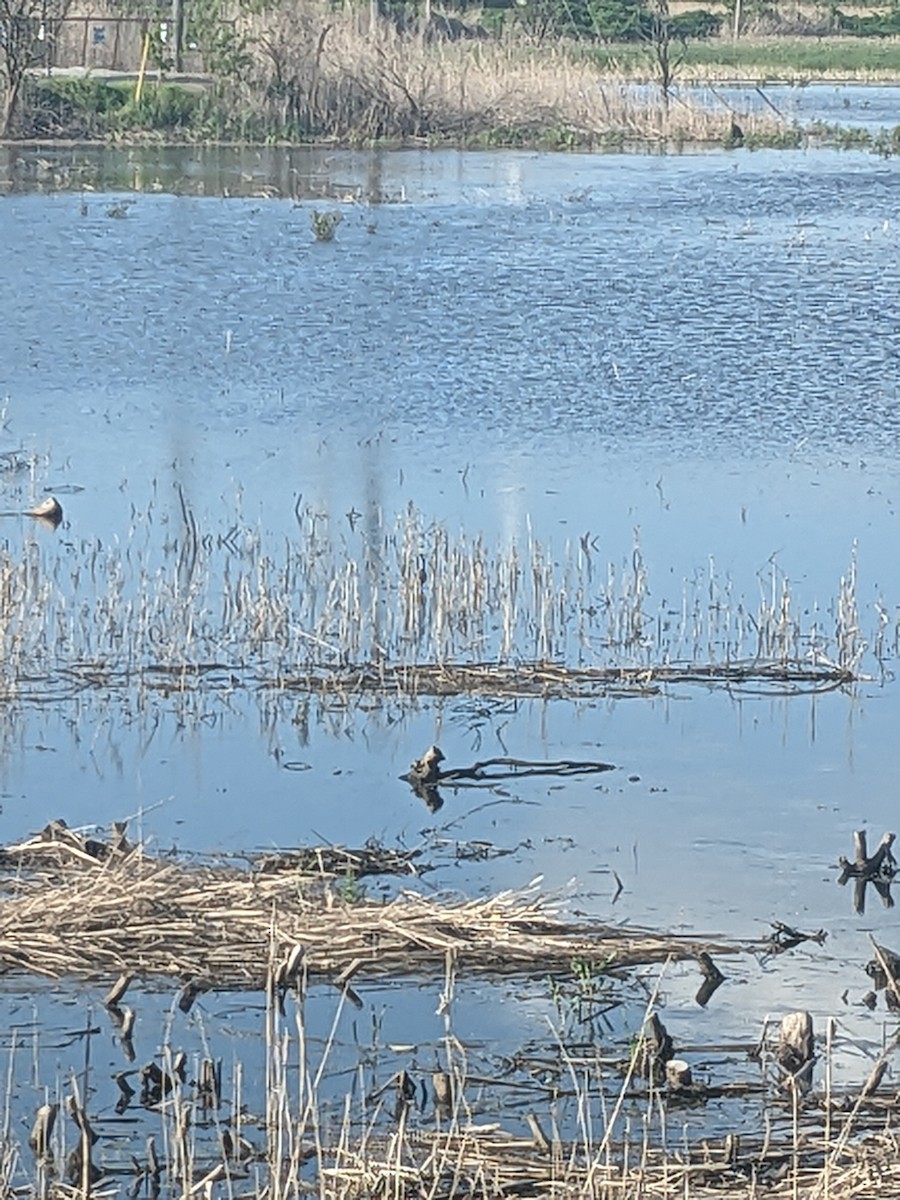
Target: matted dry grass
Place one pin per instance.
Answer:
(67, 912)
(485, 1160)
(73, 906)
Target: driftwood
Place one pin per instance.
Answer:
(712, 979)
(425, 774)
(786, 937)
(879, 870)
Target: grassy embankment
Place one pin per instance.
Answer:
(320, 75)
(796, 60)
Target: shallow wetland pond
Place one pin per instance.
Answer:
(633, 419)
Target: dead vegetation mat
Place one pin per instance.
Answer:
(74, 906)
(487, 1161)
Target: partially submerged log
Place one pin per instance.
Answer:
(425, 774)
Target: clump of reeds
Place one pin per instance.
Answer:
(324, 224)
(350, 74)
(404, 603)
(579, 1116)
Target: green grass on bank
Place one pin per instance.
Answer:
(100, 108)
(771, 58)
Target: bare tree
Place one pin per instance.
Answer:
(666, 46)
(26, 29)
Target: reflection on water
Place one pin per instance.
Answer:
(556, 348)
(853, 106)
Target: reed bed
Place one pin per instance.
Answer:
(342, 74)
(487, 1160)
(582, 1114)
(72, 908)
(401, 606)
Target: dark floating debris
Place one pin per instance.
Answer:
(786, 937)
(879, 870)
(712, 979)
(425, 774)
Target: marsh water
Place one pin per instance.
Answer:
(698, 355)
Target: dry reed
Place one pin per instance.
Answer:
(343, 74)
(401, 607)
(72, 906)
(67, 911)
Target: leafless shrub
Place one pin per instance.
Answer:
(341, 74)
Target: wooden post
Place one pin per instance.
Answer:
(145, 53)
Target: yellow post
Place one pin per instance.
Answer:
(145, 54)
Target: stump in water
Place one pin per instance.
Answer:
(42, 1131)
(655, 1050)
(712, 979)
(427, 769)
(879, 870)
(884, 971)
(48, 513)
(442, 1085)
(796, 1053)
(678, 1074)
(424, 775)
